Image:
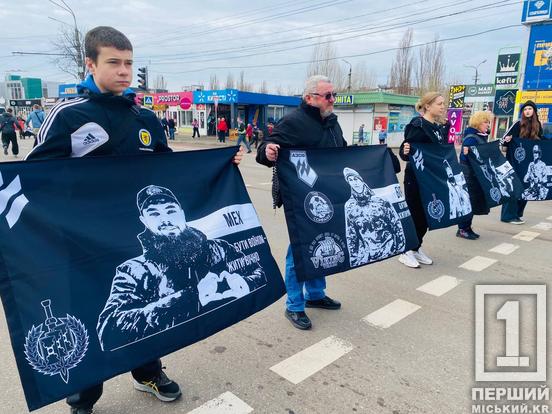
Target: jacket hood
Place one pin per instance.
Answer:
(88, 87)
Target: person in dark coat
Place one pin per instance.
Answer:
(429, 130)
(312, 125)
(475, 134)
(528, 127)
(8, 128)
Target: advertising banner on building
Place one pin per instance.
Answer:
(536, 11)
(538, 69)
(479, 93)
(507, 70)
(454, 116)
(505, 101)
(456, 97)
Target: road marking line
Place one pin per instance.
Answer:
(312, 359)
(526, 235)
(478, 263)
(504, 248)
(440, 286)
(542, 226)
(226, 403)
(391, 313)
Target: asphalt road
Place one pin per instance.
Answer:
(423, 363)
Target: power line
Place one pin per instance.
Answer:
(351, 56)
(380, 29)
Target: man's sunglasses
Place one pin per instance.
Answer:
(327, 96)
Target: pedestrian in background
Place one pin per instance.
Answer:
(361, 134)
(222, 128)
(172, 128)
(8, 128)
(165, 125)
(35, 118)
(242, 131)
(255, 139)
(195, 126)
(249, 133)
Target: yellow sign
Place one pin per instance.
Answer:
(145, 137)
(539, 97)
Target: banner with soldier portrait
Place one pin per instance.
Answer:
(110, 262)
(494, 174)
(532, 161)
(441, 183)
(344, 208)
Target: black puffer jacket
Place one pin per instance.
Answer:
(301, 128)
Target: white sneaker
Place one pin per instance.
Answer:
(408, 259)
(422, 258)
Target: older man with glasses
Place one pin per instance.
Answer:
(312, 125)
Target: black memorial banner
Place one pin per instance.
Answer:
(109, 262)
(344, 208)
(441, 183)
(532, 161)
(494, 174)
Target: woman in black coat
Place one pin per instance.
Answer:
(428, 129)
(475, 134)
(528, 127)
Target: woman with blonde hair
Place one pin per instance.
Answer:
(426, 129)
(477, 133)
(528, 127)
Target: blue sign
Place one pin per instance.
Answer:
(536, 11)
(224, 96)
(67, 90)
(538, 69)
(148, 100)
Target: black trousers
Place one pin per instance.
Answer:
(88, 397)
(414, 201)
(8, 137)
(196, 129)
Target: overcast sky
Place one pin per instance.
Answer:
(187, 41)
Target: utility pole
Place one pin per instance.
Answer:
(350, 73)
(79, 59)
(476, 78)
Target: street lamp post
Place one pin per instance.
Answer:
(476, 69)
(350, 73)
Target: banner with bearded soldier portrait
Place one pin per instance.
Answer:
(532, 161)
(111, 262)
(344, 208)
(441, 183)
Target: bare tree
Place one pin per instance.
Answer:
(400, 76)
(362, 78)
(279, 89)
(213, 82)
(160, 82)
(243, 85)
(430, 68)
(70, 44)
(263, 87)
(324, 62)
(230, 84)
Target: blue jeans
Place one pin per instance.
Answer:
(512, 209)
(314, 289)
(241, 138)
(171, 133)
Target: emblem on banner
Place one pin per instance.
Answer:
(419, 160)
(56, 345)
(318, 207)
(327, 250)
(519, 154)
(304, 171)
(495, 194)
(145, 137)
(436, 208)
